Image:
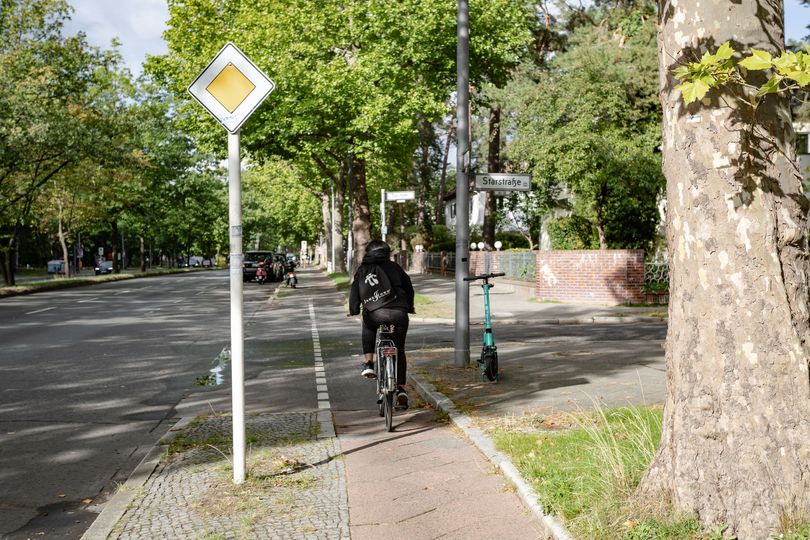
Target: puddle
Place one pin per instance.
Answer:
(216, 375)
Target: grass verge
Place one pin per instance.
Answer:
(341, 280)
(587, 471)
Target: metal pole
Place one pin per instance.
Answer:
(462, 331)
(237, 328)
(403, 254)
(333, 227)
(350, 254)
(383, 227)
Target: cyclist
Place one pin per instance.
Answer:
(393, 310)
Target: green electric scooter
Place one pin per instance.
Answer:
(488, 362)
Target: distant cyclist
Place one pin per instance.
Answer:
(385, 292)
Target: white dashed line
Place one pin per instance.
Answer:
(40, 310)
(320, 373)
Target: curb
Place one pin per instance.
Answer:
(551, 525)
(119, 503)
(596, 319)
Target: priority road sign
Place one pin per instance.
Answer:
(231, 87)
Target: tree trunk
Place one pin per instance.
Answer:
(443, 179)
(63, 243)
(494, 164)
(427, 136)
(361, 219)
(143, 254)
(601, 199)
(326, 216)
(340, 252)
(114, 242)
(8, 261)
(735, 448)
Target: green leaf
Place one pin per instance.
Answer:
(770, 87)
(757, 60)
(724, 52)
(693, 91)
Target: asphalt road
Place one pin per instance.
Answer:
(91, 378)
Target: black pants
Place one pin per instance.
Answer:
(399, 318)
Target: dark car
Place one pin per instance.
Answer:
(251, 262)
(104, 267)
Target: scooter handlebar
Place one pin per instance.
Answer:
(485, 276)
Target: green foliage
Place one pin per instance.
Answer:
(573, 232)
(442, 239)
(789, 71)
(587, 129)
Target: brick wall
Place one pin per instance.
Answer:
(590, 276)
(613, 276)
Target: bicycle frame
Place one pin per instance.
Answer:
(387, 354)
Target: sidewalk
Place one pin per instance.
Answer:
(553, 357)
(334, 474)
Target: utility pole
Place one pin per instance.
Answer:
(462, 331)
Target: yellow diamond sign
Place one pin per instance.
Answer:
(231, 87)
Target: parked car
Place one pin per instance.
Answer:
(104, 267)
(251, 262)
(195, 261)
(56, 266)
(207, 263)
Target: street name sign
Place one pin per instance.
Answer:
(503, 182)
(231, 87)
(400, 196)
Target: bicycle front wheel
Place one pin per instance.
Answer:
(388, 404)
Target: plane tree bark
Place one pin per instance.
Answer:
(735, 448)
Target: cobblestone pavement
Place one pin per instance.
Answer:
(295, 486)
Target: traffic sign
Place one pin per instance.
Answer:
(503, 182)
(400, 196)
(231, 87)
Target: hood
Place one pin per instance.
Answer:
(377, 256)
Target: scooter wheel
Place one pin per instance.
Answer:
(489, 365)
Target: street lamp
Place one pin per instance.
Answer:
(498, 245)
(480, 246)
(473, 246)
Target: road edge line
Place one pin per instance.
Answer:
(550, 524)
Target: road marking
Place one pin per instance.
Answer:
(88, 300)
(40, 310)
(320, 374)
(121, 292)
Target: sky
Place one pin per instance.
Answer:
(139, 25)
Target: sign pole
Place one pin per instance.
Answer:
(237, 320)
(383, 227)
(462, 328)
(231, 87)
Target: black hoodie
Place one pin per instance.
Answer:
(400, 281)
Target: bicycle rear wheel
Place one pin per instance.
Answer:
(388, 404)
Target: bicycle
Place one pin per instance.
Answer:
(488, 361)
(387, 353)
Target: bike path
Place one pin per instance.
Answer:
(424, 480)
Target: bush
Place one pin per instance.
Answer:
(573, 232)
